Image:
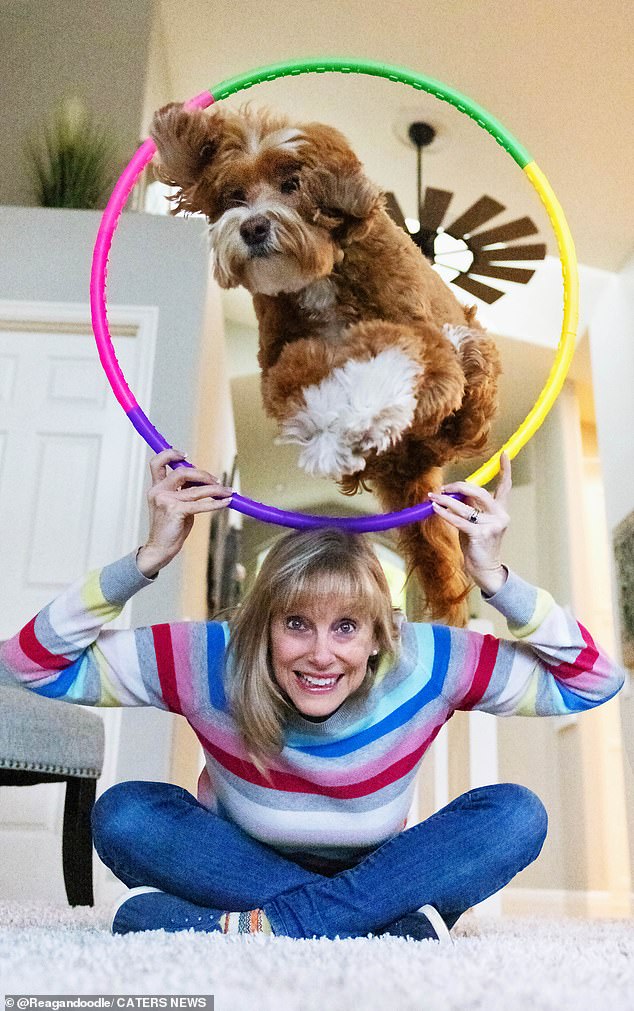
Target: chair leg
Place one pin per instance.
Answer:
(77, 840)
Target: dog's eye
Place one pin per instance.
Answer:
(290, 185)
(207, 152)
(236, 197)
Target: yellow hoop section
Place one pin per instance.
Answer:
(566, 346)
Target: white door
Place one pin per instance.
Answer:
(71, 483)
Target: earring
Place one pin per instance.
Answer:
(374, 652)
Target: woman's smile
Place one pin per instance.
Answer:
(317, 684)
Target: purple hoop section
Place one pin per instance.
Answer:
(354, 524)
(99, 312)
(147, 431)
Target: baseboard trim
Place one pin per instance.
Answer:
(560, 902)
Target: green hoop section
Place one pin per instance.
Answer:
(401, 75)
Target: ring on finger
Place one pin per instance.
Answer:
(473, 515)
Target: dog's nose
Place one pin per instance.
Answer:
(255, 230)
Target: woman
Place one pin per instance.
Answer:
(314, 708)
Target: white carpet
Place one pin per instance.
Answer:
(497, 965)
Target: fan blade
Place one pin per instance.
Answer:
(476, 215)
(518, 229)
(481, 291)
(537, 251)
(435, 204)
(394, 211)
(517, 274)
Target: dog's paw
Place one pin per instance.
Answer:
(327, 455)
(381, 399)
(361, 407)
(318, 427)
(323, 454)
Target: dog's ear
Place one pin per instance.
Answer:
(186, 143)
(343, 198)
(346, 204)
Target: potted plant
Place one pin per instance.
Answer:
(73, 162)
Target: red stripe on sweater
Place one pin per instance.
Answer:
(483, 672)
(290, 783)
(165, 666)
(585, 660)
(41, 657)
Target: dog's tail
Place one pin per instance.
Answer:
(430, 547)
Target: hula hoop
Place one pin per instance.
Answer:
(565, 348)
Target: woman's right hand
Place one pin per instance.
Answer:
(174, 499)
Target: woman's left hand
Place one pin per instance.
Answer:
(481, 535)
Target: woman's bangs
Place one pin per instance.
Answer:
(352, 592)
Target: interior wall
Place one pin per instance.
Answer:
(158, 85)
(560, 546)
(528, 748)
(33, 239)
(52, 51)
(574, 764)
(539, 753)
(611, 348)
(604, 757)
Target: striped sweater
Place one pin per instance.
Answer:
(340, 787)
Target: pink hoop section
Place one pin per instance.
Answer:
(99, 272)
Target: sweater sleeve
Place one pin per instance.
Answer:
(553, 668)
(65, 653)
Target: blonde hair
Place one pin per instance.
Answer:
(301, 567)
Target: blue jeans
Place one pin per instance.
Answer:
(158, 834)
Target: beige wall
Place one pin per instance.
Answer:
(51, 51)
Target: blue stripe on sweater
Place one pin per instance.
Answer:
(575, 704)
(404, 713)
(442, 652)
(215, 657)
(61, 685)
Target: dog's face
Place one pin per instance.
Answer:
(282, 201)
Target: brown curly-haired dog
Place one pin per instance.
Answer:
(368, 360)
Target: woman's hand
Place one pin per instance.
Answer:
(174, 498)
(481, 536)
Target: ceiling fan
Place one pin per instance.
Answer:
(460, 245)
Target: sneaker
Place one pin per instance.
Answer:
(424, 925)
(147, 908)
